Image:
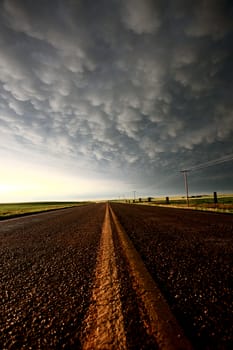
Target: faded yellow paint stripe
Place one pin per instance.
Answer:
(155, 313)
(104, 324)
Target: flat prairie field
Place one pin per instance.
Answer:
(10, 210)
(201, 202)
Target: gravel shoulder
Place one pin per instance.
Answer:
(189, 255)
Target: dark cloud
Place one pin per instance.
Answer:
(137, 88)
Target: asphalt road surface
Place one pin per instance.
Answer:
(72, 279)
(46, 274)
(190, 256)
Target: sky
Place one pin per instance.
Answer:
(102, 98)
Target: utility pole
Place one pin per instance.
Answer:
(134, 193)
(201, 166)
(186, 184)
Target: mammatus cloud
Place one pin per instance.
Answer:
(211, 18)
(120, 87)
(141, 16)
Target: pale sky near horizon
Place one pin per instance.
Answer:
(102, 98)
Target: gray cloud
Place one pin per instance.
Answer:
(127, 87)
(211, 18)
(141, 16)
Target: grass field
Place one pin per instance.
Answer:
(201, 202)
(196, 200)
(10, 210)
(224, 203)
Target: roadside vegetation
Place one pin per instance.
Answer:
(11, 210)
(199, 202)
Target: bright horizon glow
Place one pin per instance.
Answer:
(29, 179)
(21, 183)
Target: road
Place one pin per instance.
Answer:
(72, 279)
(189, 254)
(47, 264)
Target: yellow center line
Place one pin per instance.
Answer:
(104, 324)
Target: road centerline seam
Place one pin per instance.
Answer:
(104, 323)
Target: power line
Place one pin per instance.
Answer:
(210, 163)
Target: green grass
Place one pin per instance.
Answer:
(202, 202)
(193, 200)
(10, 210)
(196, 200)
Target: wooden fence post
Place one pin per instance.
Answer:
(215, 198)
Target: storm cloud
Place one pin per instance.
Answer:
(136, 89)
